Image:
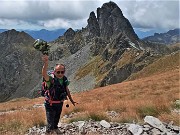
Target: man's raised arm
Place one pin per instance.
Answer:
(45, 67)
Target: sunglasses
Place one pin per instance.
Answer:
(60, 72)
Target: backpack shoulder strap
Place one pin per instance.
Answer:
(65, 81)
(55, 80)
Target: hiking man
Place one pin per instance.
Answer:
(57, 85)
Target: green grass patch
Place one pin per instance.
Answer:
(98, 117)
(147, 110)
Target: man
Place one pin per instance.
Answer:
(54, 108)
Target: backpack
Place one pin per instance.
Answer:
(56, 93)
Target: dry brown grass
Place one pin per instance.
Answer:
(19, 121)
(132, 100)
(21, 116)
(19, 104)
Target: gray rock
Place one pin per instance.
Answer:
(156, 131)
(105, 124)
(80, 124)
(155, 123)
(135, 129)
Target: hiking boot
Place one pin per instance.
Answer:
(59, 132)
(50, 132)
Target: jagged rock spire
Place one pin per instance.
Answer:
(110, 22)
(93, 25)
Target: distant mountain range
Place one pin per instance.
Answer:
(2, 30)
(50, 35)
(47, 35)
(170, 37)
(142, 34)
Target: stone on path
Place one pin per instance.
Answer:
(105, 124)
(155, 122)
(135, 129)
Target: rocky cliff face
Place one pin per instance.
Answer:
(19, 65)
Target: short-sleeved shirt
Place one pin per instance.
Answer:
(60, 81)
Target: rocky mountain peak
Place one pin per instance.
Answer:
(69, 34)
(13, 36)
(112, 22)
(109, 7)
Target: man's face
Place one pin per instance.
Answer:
(59, 71)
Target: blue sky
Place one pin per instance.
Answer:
(144, 15)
